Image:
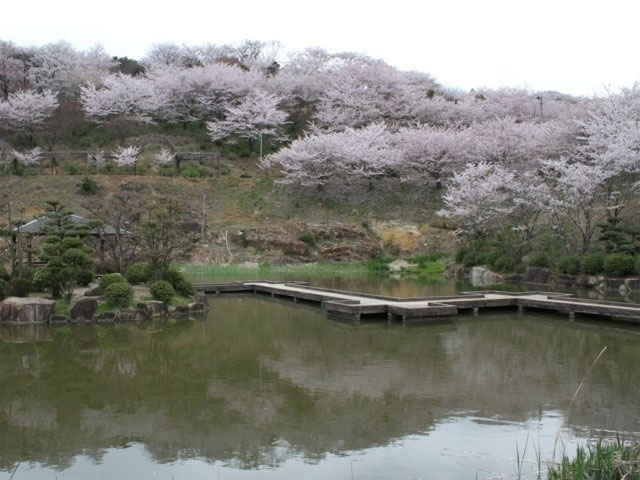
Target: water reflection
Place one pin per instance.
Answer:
(269, 384)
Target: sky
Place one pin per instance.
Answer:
(576, 47)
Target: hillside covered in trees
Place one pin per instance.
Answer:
(334, 137)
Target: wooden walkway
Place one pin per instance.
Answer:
(357, 306)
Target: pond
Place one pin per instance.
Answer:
(268, 389)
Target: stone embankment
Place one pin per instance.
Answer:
(34, 310)
(479, 276)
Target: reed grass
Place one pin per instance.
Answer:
(273, 272)
(603, 461)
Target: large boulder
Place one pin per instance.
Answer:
(538, 275)
(588, 280)
(565, 280)
(26, 310)
(155, 308)
(201, 297)
(400, 265)
(479, 276)
(179, 310)
(131, 315)
(196, 307)
(84, 309)
(105, 317)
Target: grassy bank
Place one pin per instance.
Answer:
(613, 461)
(422, 267)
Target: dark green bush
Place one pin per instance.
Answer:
(162, 291)
(18, 287)
(539, 259)
(569, 265)
(637, 265)
(3, 285)
(618, 265)
(71, 168)
(180, 284)
(460, 254)
(84, 277)
(119, 294)
(592, 263)
(87, 185)
(309, 238)
(379, 265)
(139, 273)
(469, 260)
(110, 279)
(505, 264)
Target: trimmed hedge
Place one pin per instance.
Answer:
(179, 283)
(592, 263)
(618, 265)
(18, 287)
(162, 291)
(110, 279)
(569, 265)
(119, 294)
(84, 277)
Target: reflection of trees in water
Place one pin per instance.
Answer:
(260, 381)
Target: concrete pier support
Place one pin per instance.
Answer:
(476, 311)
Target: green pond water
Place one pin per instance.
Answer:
(268, 389)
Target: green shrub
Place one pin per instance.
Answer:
(71, 168)
(162, 291)
(637, 265)
(87, 185)
(309, 238)
(119, 294)
(618, 265)
(3, 273)
(460, 254)
(3, 285)
(139, 273)
(592, 263)
(18, 287)
(110, 279)
(84, 277)
(539, 259)
(469, 260)
(24, 271)
(191, 171)
(165, 171)
(504, 264)
(180, 284)
(379, 265)
(569, 265)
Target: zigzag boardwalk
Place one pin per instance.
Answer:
(356, 306)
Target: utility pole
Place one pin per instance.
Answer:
(204, 199)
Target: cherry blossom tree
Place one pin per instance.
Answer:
(488, 200)
(194, 94)
(26, 111)
(164, 157)
(323, 159)
(610, 141)
(27, 158)
(126, 156)
(578, 201)
(427, 152)
(121, 101)
(256, 116)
